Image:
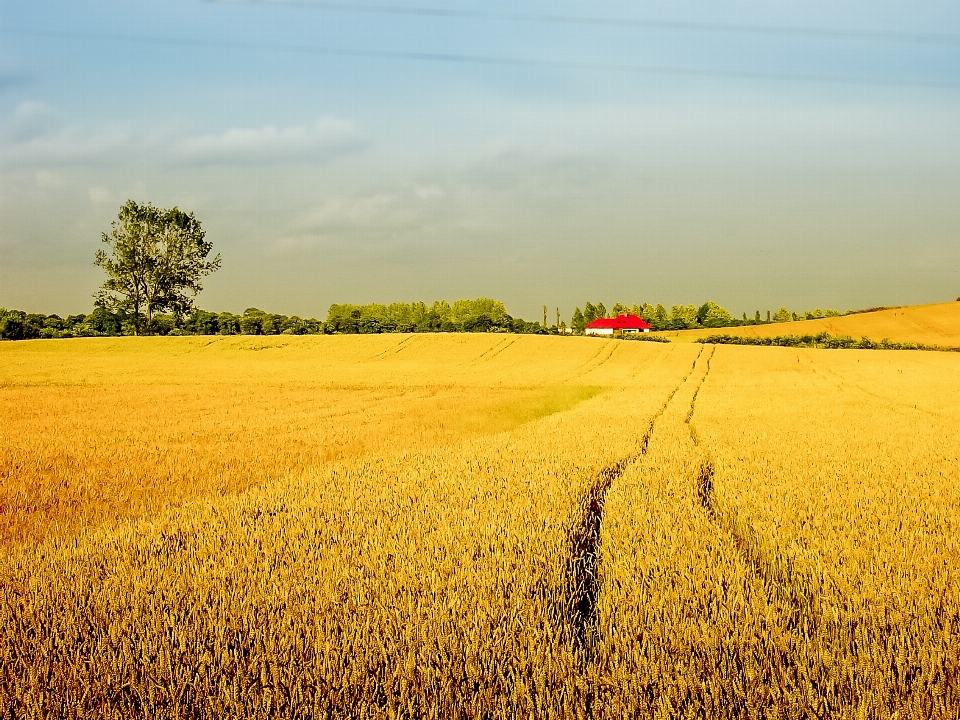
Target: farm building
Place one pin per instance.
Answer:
(617, 325)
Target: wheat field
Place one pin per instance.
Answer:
(477, 526)
(923, 324)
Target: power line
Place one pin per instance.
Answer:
(685, 25)
(461, 59)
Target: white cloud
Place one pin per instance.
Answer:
(47, 179)
(322, 141)
(30, 120)
(34, 138)
(100, 195)
(33, 135)
(430, 192)
(393, 210)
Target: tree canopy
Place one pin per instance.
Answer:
(156, 260)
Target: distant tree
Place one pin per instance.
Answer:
(156, 261)
(682, 317)
(756, 318)
(251, 321)
(228, 324)
(202, 322)
(33, 326)
(296, 326)
(619, 310)
(781, 315)
(482, 312)
(12, 324)
(104, 322)
(601, 311)
(164, 324)
(649, 313)
(271, 323)
(578, 322)
(712, 315)
(661, 317)
(590, 313)
(768, 316)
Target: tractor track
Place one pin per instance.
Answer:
(583, 581)
(791, 592)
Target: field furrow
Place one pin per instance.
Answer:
(477, 526)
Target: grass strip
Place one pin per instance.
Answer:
(822, 340)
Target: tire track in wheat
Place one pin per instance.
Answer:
(583, 581)
(792, 592)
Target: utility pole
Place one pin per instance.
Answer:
(544, 315)
(558, 317)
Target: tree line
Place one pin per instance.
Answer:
(18, 325)
(480, 315)
(157, 258)
(687, 317)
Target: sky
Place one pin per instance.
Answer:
(756, 154)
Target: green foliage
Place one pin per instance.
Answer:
(251, 322)
(682, 317)
(12, 324)
(643, 337)
(201, 322)
(591, 312)
(578, 322)
(782, 315)
(707, 315)
(18, 325)
(480, 315)
(156, 261)
(821, 340)
(712, 315)
(661, 317)
(227, 324)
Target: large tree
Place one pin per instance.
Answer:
(156, 261)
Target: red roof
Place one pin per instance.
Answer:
(624, 322)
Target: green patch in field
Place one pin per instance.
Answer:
(526, 406)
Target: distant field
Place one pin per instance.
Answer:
(928, 324)
(477, 526)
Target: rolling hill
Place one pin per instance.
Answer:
(930, 324)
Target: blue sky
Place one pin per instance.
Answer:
(756, 154)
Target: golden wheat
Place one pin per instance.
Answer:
(924, 324)
(416, 529)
